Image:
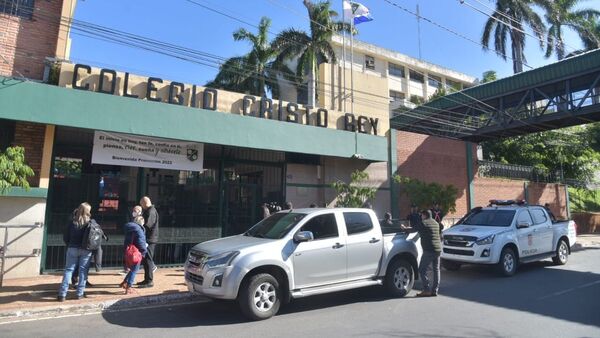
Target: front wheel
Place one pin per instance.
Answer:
(508, 262)
(450, 265)
(260, 298)
(562, 253)
(400, 278)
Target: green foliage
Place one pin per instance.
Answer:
(489, 76)
(572, 148)
(417, 100)
(355, 193)
(440, 92)
(13, 169)
(424, 194)
(584, 200)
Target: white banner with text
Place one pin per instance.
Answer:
(147, 152)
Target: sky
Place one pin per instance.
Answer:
(184, 23)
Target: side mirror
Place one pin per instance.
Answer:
(523, 225)
(303, 236)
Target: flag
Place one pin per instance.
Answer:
(357, 11)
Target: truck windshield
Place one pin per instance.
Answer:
(492, 218)
(276, 226)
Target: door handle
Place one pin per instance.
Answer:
(374, 240)
(338, 245)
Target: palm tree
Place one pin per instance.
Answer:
(311, 50)
(563, 13)
(254, 72)
(592, 39)
(510, 20)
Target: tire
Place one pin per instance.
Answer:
(450, 265)
(260, 297)
(507, 266)
(562, 253)
(400, 278)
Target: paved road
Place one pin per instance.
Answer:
(540, 301)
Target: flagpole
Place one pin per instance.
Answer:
(343, 108)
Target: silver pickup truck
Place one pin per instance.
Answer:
(299, 253)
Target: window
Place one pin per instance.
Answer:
(322, 226)
(416, 76)
(7, 134)
(435, 81)
(22, 8)
(395, 70)
(524, 217)
(357, 222)
(276, 226)
(493, 218)
(369, 62)
(396, 96)
(539, 216)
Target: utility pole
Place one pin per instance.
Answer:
(419, 30)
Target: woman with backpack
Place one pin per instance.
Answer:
(77, 255)
(135, 248)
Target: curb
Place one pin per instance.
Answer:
(111, 305)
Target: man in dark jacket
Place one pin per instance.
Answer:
(429, 232)
(414, 218)
(151, 227)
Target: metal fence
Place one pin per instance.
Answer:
(515, 171)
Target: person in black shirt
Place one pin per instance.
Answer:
(414, 217)
(151, 225)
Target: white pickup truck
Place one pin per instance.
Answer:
(299, 253)
(505, 234)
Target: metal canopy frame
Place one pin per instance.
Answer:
(558, 95)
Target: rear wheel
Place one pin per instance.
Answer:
(260, 298)
(508, 262)
(450, 265)
(400, 278)
(562, 253)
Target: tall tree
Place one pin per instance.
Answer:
(312, 49)
(510, 19)
(565, 13)
(489, 76)
(254, 72)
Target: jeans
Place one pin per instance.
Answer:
(430, 259)
(80, 258)
(148, 262)
(130, 278)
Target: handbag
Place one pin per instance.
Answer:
(132, 256)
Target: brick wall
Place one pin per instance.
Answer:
(25, 43)
(433, 159)
(31, 137)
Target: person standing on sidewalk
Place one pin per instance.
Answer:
(76, 255)
(429, 232)
(151, 225)
(134, 234)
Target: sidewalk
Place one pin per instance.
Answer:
(36, 297)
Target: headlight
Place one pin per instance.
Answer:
(486, 240)
(221, 260)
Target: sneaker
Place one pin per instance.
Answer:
(60, 299)
(146, 285)
(81, 296)
(123, 285)
(141, 283)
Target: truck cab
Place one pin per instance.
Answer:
(299, 253)
(505, 234)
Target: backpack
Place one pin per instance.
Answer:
(132, 255)
(92, 237)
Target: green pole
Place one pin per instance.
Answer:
(392, 169)
(568, 203)
(470, 188)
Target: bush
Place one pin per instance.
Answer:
(355, 193)
(424, 194)
(13, 169)
(584, 200)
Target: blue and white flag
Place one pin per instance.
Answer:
(357, 11)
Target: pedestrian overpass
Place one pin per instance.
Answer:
(562, 94)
